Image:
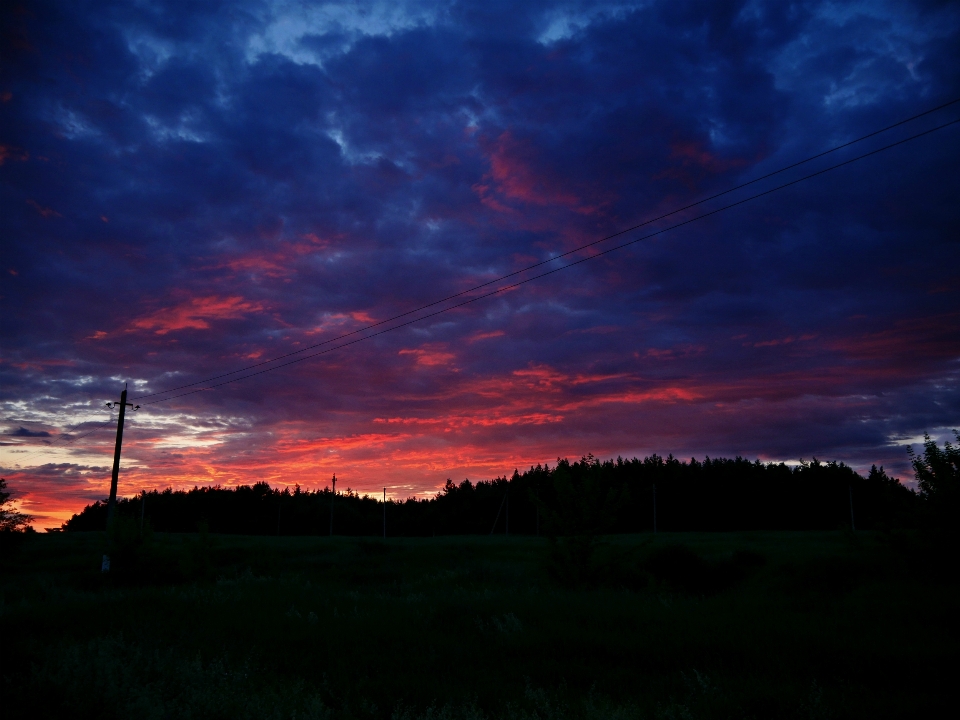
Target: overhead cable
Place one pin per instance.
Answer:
(501, 278)
(541, 275)
(69, 440)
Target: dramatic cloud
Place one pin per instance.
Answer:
(191, 189)
(23, 432)
(195, 313)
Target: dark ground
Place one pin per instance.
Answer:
(762, 625)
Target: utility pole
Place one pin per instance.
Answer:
(499, 510)
(331, 502)
(506, 529)
(143, 505)
(537, 505)
(112, 504)
(384, 513)
(853, 525)
(654, 508)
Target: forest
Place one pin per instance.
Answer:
(587, 496)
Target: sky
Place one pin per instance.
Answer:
(188, 189)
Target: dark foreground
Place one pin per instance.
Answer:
(763, 625)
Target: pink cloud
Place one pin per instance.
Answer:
(280, 261)
(43, 211)
(485, 336)
(515, 178)
(8, 152)
(429, 356)
(195, 314)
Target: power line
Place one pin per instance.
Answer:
(91, 432)
(552, 259)
(551, 272)
(69, 441)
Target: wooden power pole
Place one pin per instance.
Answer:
(115, 476)
(654, 508)
(334, 495)
(853, 525)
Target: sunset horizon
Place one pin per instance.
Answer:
(191, 192)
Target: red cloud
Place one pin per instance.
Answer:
(44, 211)
(41, 365)
(429, 356)
(279, 262)
(8, 152)
(195, 313)
(930, 338)
(485, 336)
(514, 176)
(690, 162)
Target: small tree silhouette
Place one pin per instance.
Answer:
(10, 519)
(580, 513)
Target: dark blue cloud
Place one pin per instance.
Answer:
(24, 432)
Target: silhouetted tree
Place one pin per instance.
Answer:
(10, 519)
(14, 525)
(938, 478)
(583, 506)
(575, 502)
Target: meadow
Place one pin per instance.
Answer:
(831, 624)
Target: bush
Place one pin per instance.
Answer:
(683, 569)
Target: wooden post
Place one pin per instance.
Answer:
(853, 525)
(506, 529)
(332, 496)
(499, 510)
(114, 477)
(654, 508)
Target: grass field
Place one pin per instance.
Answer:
(762, 625)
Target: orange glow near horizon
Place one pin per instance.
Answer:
(451, 424)
(412, 454)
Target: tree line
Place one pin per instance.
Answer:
(587, 496)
